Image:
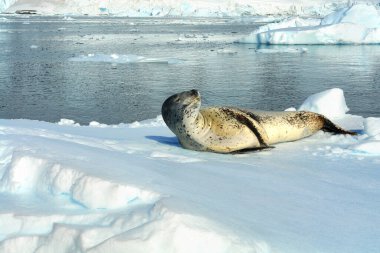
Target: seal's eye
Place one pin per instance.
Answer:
(176, 99)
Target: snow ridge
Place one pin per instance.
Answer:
(94, 214)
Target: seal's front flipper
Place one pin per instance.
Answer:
(246, 150)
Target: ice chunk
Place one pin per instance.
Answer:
(330, 103)
(67, 122)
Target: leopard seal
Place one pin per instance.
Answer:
(230, 129)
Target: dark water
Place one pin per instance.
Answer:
(37, 80)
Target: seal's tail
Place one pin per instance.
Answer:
(329, 126)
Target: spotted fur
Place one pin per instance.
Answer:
(229, 129)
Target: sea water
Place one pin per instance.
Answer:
(76, 68)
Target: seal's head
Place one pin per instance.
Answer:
(181, 108)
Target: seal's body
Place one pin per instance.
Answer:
(229, 129)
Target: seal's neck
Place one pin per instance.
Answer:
(193, 120)
(190, 116)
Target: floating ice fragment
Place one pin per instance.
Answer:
(226, 51)
(281, 50)
(97, 124)
(122, 58)
(68, 18)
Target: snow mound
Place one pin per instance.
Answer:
(116, 58)
(370, 147)
(330, 103)
(97, 215)
(371, 144)
(357, 24)
(372, 127)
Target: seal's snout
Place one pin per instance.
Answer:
(194, 92)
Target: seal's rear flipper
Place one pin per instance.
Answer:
(329, 126)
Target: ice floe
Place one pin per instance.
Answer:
(131, 187)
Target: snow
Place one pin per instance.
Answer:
(356, 24)
(132, 188)
(194, 8)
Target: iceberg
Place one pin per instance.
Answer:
(357, 24)
(180, 8)
(5, 4)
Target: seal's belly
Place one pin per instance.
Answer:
(222, 133)
(284, 132)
